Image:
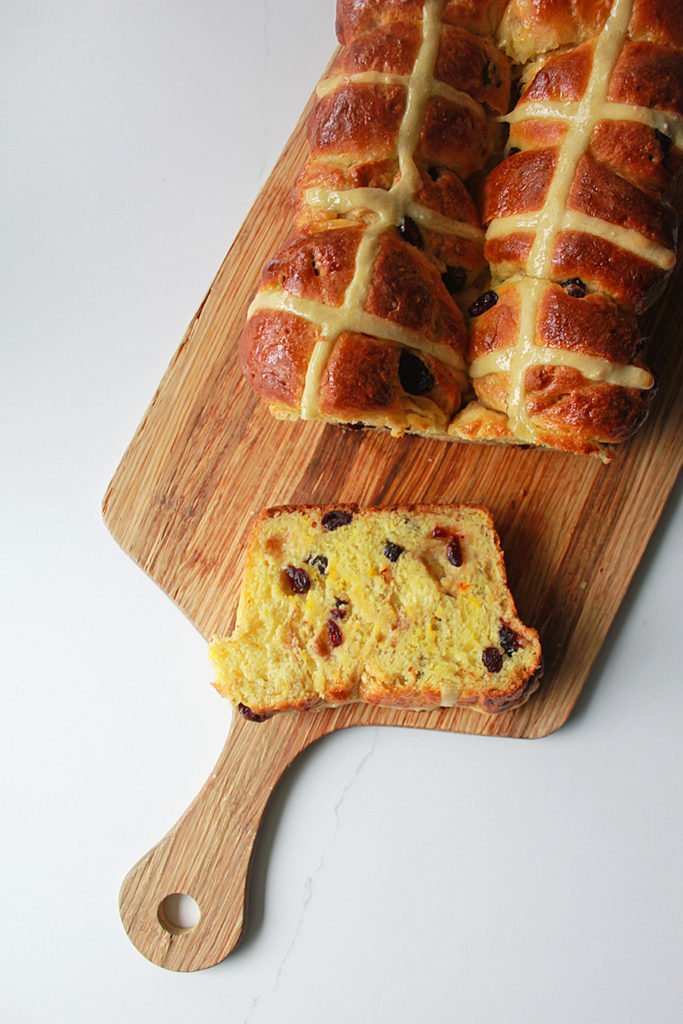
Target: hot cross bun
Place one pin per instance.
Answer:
(444, 281)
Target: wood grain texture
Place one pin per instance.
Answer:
(208, 456)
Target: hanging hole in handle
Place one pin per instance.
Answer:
(178, 913)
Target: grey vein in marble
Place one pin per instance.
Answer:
(309, 883)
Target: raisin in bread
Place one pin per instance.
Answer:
(405, 607)
(394, 305)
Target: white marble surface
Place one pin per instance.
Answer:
(400, 876)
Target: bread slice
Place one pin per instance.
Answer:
(405, 607)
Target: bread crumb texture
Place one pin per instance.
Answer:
(405, 607)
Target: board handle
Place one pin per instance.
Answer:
(207, 854)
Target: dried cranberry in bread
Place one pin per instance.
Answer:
(404, 607)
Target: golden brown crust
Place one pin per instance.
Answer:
(506, 255)
(630, 280)
(391, 47)
(275, 349)
(358, 17)
(634, 152)
(441, 191)
(589, 211)
(464, 62)
(455, 136)
(357, 118)
(658, 21)
(407, 290)
(364, 376)
(647, 75)
(532, 27)
(563, 76)
(564, 405)
(317, 266)
(393, 282)
(388, 236)
(536, 133)
(568, 410)
(339, 177)
(599, 192)
(569, 413)
(498, 327)
(475, 66)
(592, 325)
(361, 376)
(519, 184)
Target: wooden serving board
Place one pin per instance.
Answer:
(208, 455)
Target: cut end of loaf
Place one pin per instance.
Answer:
(405, 607)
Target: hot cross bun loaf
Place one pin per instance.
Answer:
(581, 234)
(443, 280)
(355, 320)
(405, 607)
